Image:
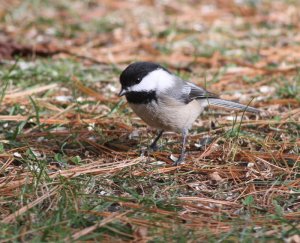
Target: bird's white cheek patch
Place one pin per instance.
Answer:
(156, 80)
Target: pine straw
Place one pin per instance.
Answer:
(238, 181)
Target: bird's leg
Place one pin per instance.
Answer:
(182, 155)
(153, 145)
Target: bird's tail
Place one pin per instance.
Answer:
(231, 105)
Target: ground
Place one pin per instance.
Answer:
(71, 160)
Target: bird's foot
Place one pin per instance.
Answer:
(146, 151)
(179, 161)
(153, 147)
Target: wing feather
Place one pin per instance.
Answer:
(197, 92)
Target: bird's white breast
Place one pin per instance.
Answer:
(168, 114)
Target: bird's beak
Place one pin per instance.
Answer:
(122, 92)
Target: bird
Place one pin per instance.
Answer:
(166, 102)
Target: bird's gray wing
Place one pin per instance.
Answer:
(197, 92)
(194, 92)
(186, 92)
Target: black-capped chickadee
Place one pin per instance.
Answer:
(166, 102)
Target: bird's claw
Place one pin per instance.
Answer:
(153, 147)
(180, 161)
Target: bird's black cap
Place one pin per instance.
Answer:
(135, 72)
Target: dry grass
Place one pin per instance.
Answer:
(70, 149)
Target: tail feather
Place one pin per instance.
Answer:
(232, 105)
